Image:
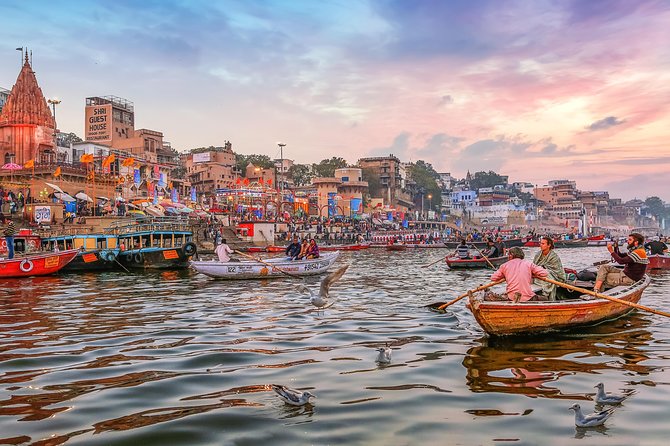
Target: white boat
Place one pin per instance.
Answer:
(269, 268)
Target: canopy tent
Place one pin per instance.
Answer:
(83, 196)
(54, 187)
(64, 196)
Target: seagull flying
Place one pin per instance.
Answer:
(607, 398)
(592, 419)
(293, 397)
(321, 300)
(384, 356)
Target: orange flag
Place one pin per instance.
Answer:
(86, 158)
(109, 160)
(128, 162)
(29, 164)
(57, 172)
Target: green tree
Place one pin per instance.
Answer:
(326, 168)
(487, 179)
(425, 177)
(262, 161)
(300, 174)
(65, 139)
(656, 207)
(178, 172)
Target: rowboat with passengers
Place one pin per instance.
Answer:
(475, 263)
(506, 318)
(266, 268)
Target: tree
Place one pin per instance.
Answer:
(262, 161)
(65, 139)
(656, 207)
(300, 174)
(487, 179)
(326, 168)
(426, 178)
(374, 186)
(178, 172)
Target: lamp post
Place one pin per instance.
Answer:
(430, 202)
(54, 102)
(281, 169)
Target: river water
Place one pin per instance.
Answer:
(176, 358)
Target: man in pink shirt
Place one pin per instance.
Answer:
(519, 275)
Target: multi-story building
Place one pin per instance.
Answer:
(351, 189)
(211, 170)
(392, 178)
(489, 196)
(282, 167)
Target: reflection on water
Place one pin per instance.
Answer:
(177, 358)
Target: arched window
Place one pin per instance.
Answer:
(8, 158)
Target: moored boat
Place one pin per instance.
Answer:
(507, 318)
(396, 247)
(95, 251)
(155, 243)
(268, 268)
(476, 263)
(658, 261)
(36, 265)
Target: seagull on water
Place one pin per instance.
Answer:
(384, 356)
(592, 419)
(293, 397)
(607, 398)
(321, 300)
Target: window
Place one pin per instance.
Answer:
(345, 179)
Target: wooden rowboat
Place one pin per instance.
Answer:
(355, 247)
(396, 247)
(508, 318)
(36, 265)
(250, 269)
(478, 263)
(657, 261)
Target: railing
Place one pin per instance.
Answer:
(150, 225)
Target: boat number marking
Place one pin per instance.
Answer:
(51, 262)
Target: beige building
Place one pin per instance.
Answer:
(351, 189)
(211, 170)
(392, 178)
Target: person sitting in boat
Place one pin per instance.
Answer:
(304, 249)
(500, 245)
(656, 247)
(222, 250)
(462, 250)
(313, 250)
(549, 260)
(519, 274)
(635, 263)
(491, 249)
(293, 250)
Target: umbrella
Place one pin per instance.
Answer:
(102, 198)
(169, 210)
(120, 199)
(83, 196)
(154, 210)
(56, 188)
(64, 196)
(185, 210)
(11, 167)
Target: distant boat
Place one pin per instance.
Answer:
(476, 263)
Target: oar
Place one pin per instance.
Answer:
(267, 264)
(431, 264)
(440, 306)
(605, 296)
(485, 258)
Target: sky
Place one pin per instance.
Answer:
(537, 90)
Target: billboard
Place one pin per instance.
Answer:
(201, 157)
(98, 123)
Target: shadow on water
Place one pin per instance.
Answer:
(529, 366)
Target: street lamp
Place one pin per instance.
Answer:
(54, 102)
(430, 202)
(281, 168)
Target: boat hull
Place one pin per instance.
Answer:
(479, 263)
(257, 270)
(482, 244)
(657, 261)
(510, 319)
(36, 265)
(157, 258)
(94, 260)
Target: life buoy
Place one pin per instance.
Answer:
(107, 256)
(139, 258)
(190, 249)
(129, 257)
(26, 265)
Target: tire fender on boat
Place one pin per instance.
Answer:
(26, 265)
(190, 249)
(139, 258)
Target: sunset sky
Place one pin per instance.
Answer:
(536, 90)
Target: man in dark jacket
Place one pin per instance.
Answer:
(293, 250)
(656, 247)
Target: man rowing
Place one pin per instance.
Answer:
(519, 275)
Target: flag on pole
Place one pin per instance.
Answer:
(128, 162)
(136, 177)
(29, 164)
(57, 172)
(86, 158)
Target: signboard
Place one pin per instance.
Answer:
(43, 214)
(201, 157)
(98, 123)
